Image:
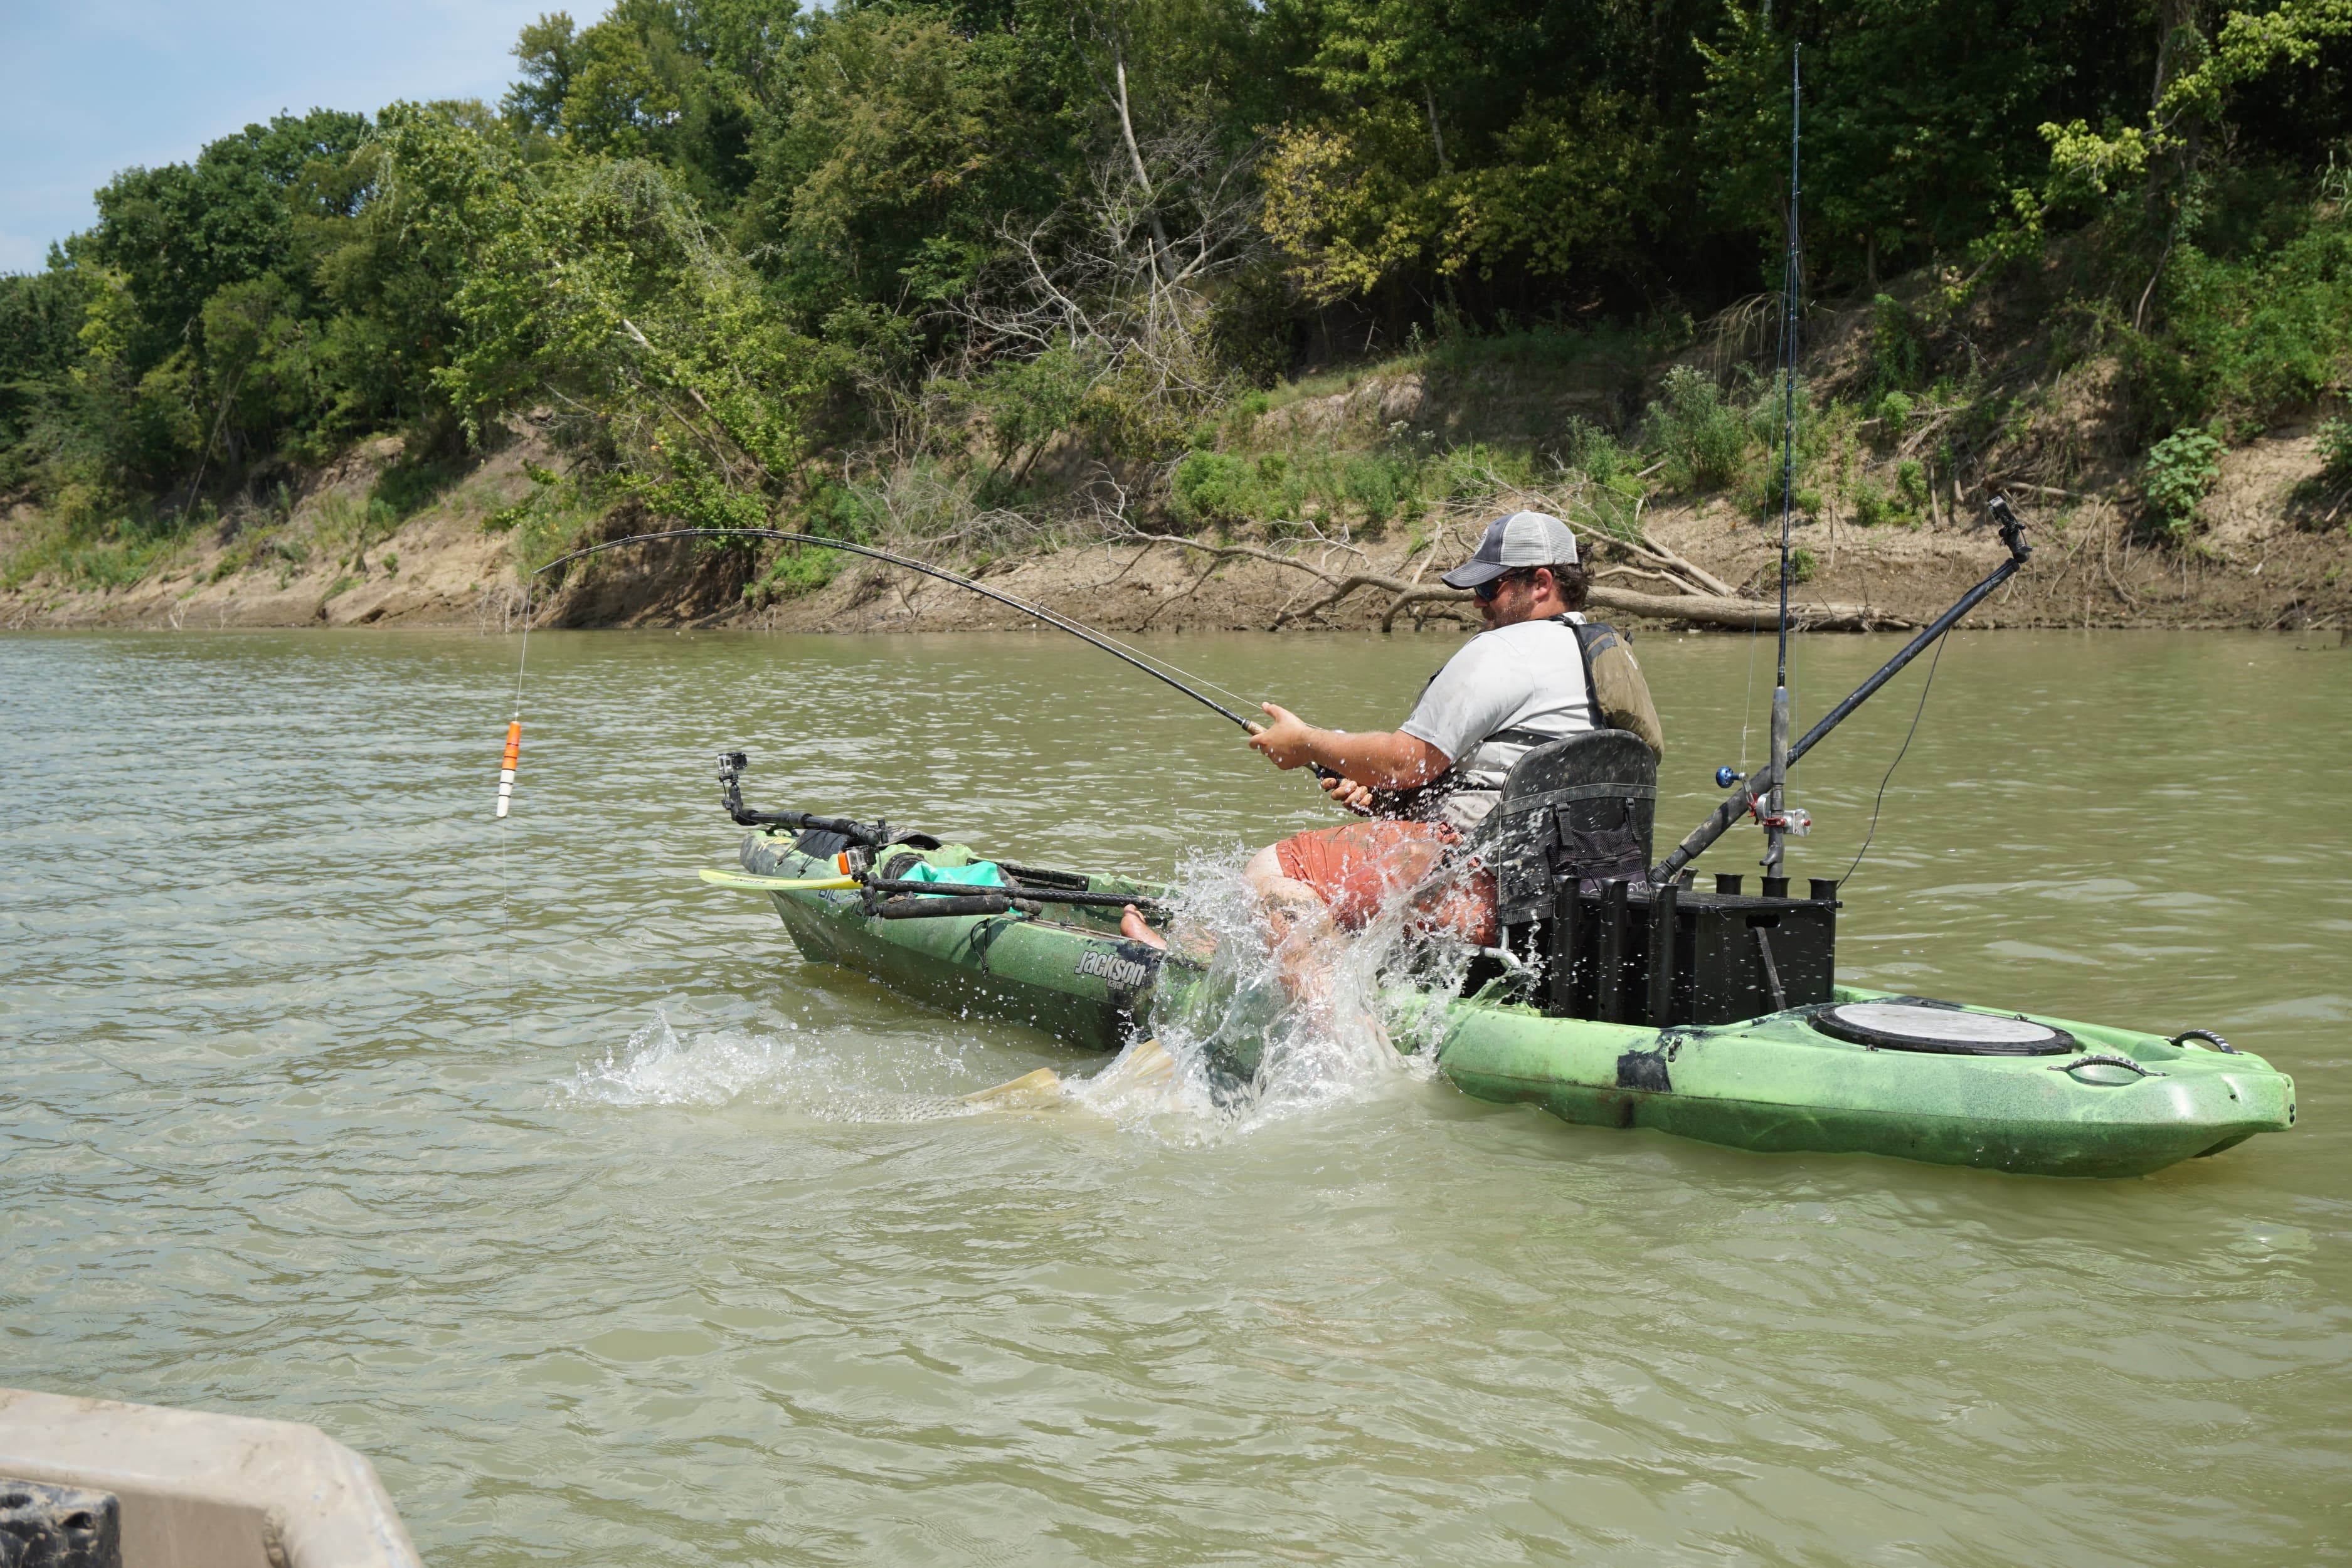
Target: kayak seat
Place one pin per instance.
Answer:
(1576, 809)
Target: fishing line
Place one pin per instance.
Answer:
(1150, 664)
(1748, 703)
(506, 792)
(1924, 686)
(1792, 283)
(1147, 663)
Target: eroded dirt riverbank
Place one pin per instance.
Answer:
(2258, 564)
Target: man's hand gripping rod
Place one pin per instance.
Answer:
(1742, 801)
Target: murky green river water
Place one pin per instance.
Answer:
(556, 1184)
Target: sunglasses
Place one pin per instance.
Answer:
(1486, 592)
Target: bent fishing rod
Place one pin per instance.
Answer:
(1760, 787)
(1040, 613)
(1053, 619)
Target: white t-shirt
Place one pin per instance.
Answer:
(1530, 676)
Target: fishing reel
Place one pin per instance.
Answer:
(1793, 820)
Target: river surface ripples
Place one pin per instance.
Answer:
(614, 1232)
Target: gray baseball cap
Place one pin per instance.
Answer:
(1512, 543)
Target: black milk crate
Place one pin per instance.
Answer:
(1732, 956)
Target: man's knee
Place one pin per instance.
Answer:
(1278, 889)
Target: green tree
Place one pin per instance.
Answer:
(1918, 116)
(1460, 142)
(901, 155)
(41, 314)
(544, 52)
(610, 292)
(178, 233)
(655, 79)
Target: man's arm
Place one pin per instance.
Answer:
(1381, 759)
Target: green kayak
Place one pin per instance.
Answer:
(1847, 1071)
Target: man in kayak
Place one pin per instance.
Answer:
(1538, 672)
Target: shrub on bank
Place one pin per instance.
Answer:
(2181, 471)
(1701, 436)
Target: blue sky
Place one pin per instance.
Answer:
(95, 86)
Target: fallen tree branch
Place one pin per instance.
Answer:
(2121, 592)
(1697, 609)
(1642, 545)
(1691, 571)
(1746, 615)
(1668, 578)
(2021, 485)
(1253, 552)
(1406, 593)
(1417, 596)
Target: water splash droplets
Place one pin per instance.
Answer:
(724, 1066)
(1247, 1052)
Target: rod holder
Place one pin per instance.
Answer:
(1567, 930)
(1609, 984)
(1662, 952)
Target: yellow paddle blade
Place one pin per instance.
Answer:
(1143, 1077)
(1027, 1092)
(744, 882)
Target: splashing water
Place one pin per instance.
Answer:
(730, 1067)
(1245, 1051)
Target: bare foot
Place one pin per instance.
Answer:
(1135, 928)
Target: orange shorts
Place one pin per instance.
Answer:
(1361, 866)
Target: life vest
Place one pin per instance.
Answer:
(1615, 697)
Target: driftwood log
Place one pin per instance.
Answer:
(1692, 608)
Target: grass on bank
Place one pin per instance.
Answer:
(265, 530)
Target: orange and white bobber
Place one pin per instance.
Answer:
(506, 773)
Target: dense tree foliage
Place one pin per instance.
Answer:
(717, 234)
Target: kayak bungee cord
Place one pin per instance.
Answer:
(1147, 663)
